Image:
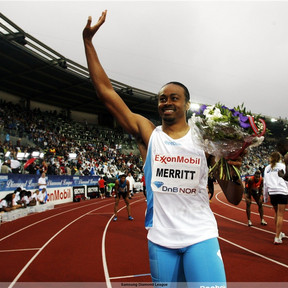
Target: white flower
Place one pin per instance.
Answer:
(208, 110)
(225, 133)
(212, 112)
(217, 114)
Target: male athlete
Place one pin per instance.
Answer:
(122, 190)
(254, 188)
(182, 230)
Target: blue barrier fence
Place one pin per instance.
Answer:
(60, 189)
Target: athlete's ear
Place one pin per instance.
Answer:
(188, 105)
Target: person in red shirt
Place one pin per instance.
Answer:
(144, 185)
(101, 183)
(254, 188)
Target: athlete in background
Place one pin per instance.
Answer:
(276, 188)
(101, 184)
(254, 188)
(122, 186)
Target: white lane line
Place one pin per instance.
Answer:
(47, 218)
(104, 260)
(44, 246)
(241, 223)
(105, 267)
(255, 253)
(19, 250)
(241, 209)
(244, 224)
(93, 214)
(130, 276)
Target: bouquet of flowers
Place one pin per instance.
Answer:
(226, 133)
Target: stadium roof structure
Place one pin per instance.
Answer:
(35, 72)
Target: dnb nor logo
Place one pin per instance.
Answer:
(158, 184)
(172, 143)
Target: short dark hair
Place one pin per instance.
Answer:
(186, 91)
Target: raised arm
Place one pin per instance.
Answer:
(131, 122)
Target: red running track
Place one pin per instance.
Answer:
(78, 245)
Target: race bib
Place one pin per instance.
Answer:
(176, 174)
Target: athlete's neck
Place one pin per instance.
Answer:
(175, 131)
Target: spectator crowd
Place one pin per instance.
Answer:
(97, 151)
(94, 150)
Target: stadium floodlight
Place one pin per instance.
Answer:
(20, 156)
(72, 156)
(35, 154)
(194, 107)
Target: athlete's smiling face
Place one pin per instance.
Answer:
(172, 104)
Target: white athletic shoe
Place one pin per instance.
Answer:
(277, 241)
(263, 222)
(281, 235)
(249, 223)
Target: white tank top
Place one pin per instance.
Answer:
(178, 211)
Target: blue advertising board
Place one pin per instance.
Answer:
(10, 182)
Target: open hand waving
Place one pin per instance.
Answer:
(89, 31)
